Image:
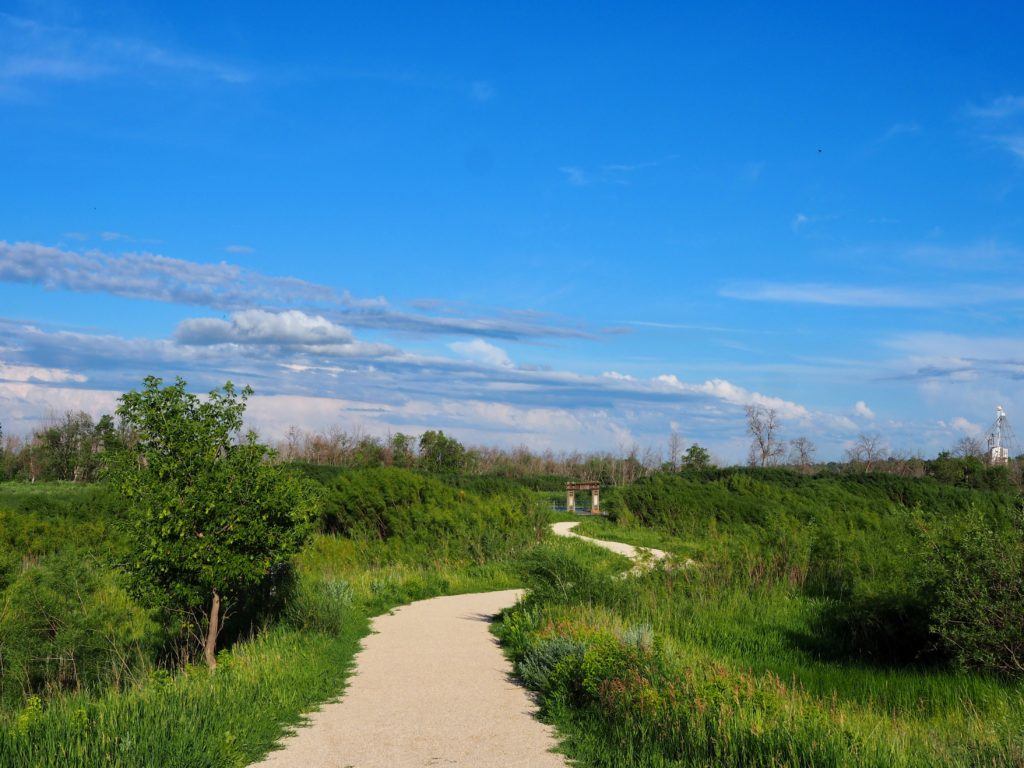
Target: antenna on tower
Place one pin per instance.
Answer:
(1000, 439)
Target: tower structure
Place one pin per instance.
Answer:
(1000, 437)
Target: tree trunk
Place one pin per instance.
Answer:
(210, 646)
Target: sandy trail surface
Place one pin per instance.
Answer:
(430, 688)
(634, 553)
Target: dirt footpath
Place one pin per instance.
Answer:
(634, 553)
(431, 688)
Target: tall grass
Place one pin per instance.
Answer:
(720, 664)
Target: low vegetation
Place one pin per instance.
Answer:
(846, 621)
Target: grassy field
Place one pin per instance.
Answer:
(796, 640)
(729, 662)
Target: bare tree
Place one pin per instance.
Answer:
(867, 450)
(763, 426)
(969, 447)
(675, 448)
(801, 453)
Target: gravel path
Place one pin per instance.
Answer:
(431, 688)
(634, 553)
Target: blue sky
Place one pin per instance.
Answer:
(575, 226)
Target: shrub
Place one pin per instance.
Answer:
(66, 625)
(423, 512)
(976, 577)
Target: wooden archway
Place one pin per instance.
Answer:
(595, 496)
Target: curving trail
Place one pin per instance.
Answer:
(431, 687)
(633, 553)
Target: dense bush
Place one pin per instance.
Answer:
(975, 592)
(424, 512)
(65, 621)
(65, 624)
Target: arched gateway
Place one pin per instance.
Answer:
(595, 496)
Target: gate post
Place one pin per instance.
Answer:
(570, 500)
(595, 501)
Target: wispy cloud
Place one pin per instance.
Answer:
(239, 249)
(33, 51)
(900, 129)
(226, 286)
(153, 277)
(292, 354)
(1001, 123)
(1001, 107)
(1013, 143)
(258, 326)
(611, 173)
(829, 294)
(482, 351)
(861, 409)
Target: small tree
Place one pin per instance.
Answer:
(209, 520)
(696, 457)
(968, 447)
(675, 449)
(402, 448)
(801, 453)
(763, 427)
(440, 453)
(867, 451)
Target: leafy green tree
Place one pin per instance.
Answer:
(441, 454)
(696, 457)
(403, 450)
(210, 518)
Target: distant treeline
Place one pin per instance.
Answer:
(71, 447)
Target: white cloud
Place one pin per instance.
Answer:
(999, 123)
(33, 51)
(258, 326)
(10, 372)
(861, 409)
(373, 302)
(482, 351)
(153, 277)
(301, 355)
(963, 425)
(727, 392)
(901, 129)
(1013, 142)
(25, 405)
(999, 108)
(226, 286)
(881, 297)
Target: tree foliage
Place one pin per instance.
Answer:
(441, 454)
(210, 520)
